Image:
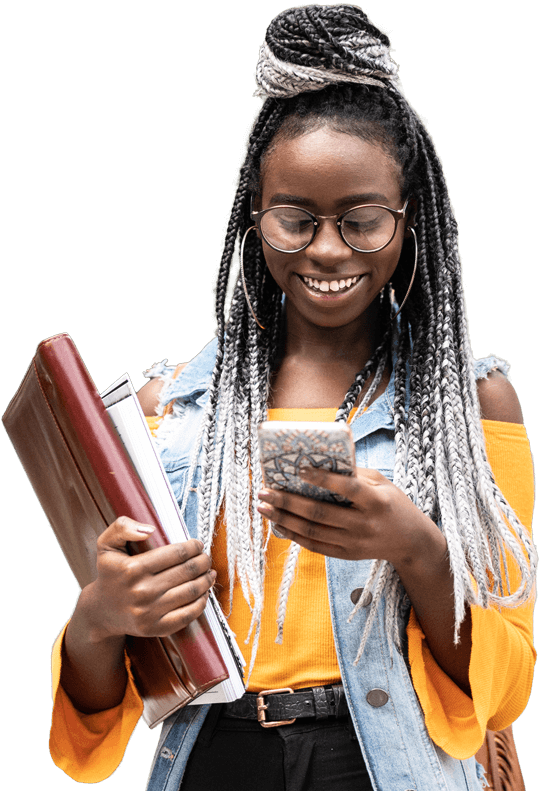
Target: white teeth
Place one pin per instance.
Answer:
(330, 285)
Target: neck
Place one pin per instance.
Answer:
(351, 345)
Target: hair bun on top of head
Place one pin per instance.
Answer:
(307, 48)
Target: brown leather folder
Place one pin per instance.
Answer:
(84, 480)
(499, 758)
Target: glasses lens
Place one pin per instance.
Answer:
(287, 228)
(368, 227)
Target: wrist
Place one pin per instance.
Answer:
(93, 672)
(89, 621)
(426, 548)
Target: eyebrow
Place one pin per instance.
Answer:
(349, 200)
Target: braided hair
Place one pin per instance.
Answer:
(328, 65)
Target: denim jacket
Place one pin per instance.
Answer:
(387, 716)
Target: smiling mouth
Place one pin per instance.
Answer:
(334, 286)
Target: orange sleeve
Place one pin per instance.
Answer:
(503, 657)
(89, 747)
(153, 423)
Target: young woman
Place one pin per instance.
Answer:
(348, 307)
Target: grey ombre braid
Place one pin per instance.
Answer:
(330, 66)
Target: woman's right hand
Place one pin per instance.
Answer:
(151, 594)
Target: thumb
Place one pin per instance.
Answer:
(123, 530)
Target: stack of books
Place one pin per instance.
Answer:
(90, 460)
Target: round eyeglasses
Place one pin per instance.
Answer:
(366, 229)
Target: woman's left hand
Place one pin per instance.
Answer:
(381, 522)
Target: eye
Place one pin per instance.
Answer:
(286, 228)
(368, 227)
(292, 220)
(364, 219)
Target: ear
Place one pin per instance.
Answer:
(255, 202)
(410, 219)
(255, 205)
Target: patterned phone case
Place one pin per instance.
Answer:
(286, 447)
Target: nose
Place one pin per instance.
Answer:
(328, 248)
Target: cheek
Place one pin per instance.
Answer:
(277, 263)
(389, 260)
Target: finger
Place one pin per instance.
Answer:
(173, 576)
(361, 480)
(317, 538)
(316, 511)
(178, 619)
(295, 527)
(185, 594)
(157, 560)
(123, 530)
(346, 485)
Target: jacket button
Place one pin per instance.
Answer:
(377, 698)
(355, 595)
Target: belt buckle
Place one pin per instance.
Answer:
(262, 706)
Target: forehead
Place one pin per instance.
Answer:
(325, 166)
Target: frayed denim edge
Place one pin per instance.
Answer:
(482, 775)
(485, 365)
(161, 370)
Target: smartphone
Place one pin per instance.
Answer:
(287, 446)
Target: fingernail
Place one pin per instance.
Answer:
(145, 529)
(212, 574)
(276, 532)
(264, 508)
(265, 494)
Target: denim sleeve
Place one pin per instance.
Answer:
(485, 365)
(160, 370)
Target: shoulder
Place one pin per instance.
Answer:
(498, 399)
(149, 394)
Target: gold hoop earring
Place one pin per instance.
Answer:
(244, 277)
(411, 229)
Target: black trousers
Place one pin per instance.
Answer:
(309, 755)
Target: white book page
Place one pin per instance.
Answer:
(128, 419)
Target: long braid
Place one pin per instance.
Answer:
(328, 65)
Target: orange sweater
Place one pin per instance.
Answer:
(90, 747)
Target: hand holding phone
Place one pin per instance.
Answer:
(287, 446)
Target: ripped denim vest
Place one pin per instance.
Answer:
(390, 726)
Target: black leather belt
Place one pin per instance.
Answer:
(273, 707)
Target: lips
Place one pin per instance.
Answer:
(340, 286)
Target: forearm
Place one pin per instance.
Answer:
(93, 671)
(427, 578)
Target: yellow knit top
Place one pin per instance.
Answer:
(90, 747)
